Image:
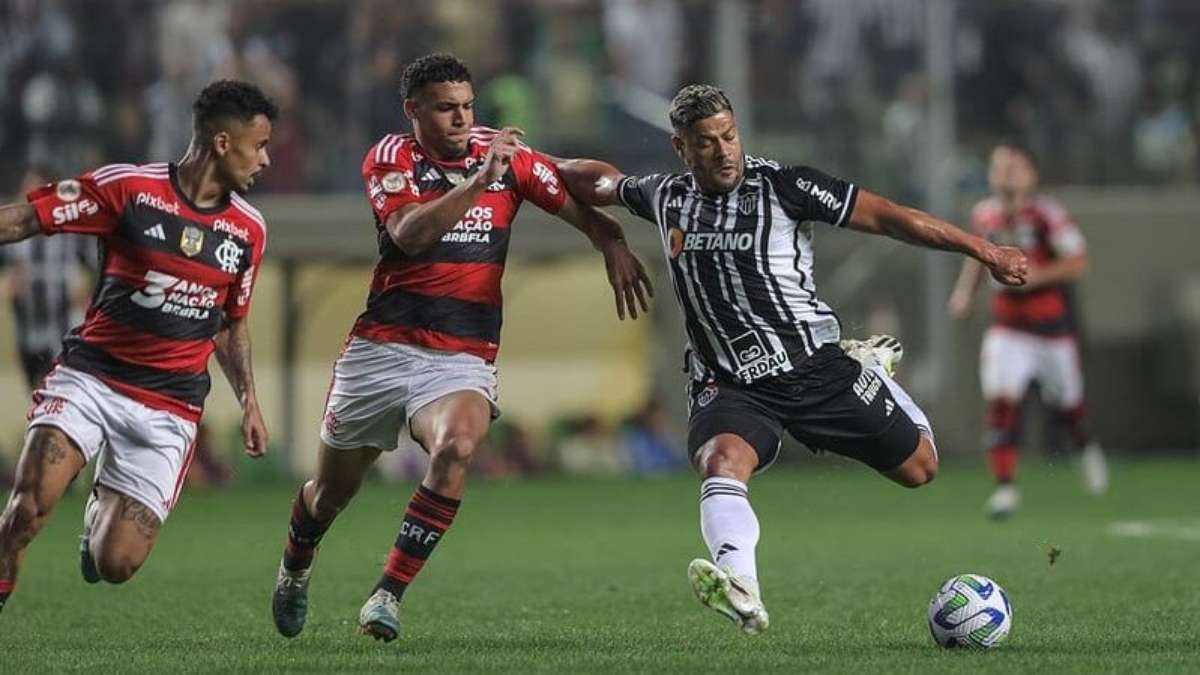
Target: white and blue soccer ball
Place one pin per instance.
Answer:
(970, 610)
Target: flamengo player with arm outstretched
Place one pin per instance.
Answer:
(422, 352)
(764, 350)
(1035, 328)
(180, 253)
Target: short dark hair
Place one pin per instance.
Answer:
(431, 69)
(1020, 147)
(695, 102)
(225, 99)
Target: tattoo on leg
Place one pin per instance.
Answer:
(147, 523)
(51, 449)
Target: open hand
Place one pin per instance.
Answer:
(628, 279)
(254, 430)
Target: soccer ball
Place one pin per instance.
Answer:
(970, 610)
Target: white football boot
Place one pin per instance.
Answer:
(1095, 469)
(884, 351)
(380, 616)
(1004, 502)
(735, 598)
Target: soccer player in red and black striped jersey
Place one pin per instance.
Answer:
(422, 353)
(1035, 328)
(180, 253)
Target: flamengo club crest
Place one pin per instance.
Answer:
(192, 240)
(229, 255)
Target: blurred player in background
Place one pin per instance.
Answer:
(764, 351)
(181, 251)
(1035, 331)
(48, 278)
(422, 353)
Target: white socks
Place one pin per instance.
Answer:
(729, 525)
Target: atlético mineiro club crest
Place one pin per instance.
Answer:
(746, 203)
(192, 241)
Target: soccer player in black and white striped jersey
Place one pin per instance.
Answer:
(765, 356)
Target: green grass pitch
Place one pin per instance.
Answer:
(574, 576)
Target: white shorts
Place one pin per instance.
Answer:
(140, 451)
(378, 386)
(1011, 360)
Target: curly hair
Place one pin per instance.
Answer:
(431, 69)
(695, 102)
(229, 99)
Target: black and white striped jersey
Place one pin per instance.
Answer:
(42, 304)
(742, 263)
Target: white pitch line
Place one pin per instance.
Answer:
(1164, 528)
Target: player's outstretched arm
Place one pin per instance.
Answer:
(232, 347)
(877, 215)
(17, 222)
(415, 228)
(591, 181)
(626, 274)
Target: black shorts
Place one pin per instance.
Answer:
(830, 402)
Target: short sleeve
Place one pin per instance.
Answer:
(81, 205)
(983, 217)
(1064, 236)
(539, 181)
(237, 304)
(638, 193)
(809, 194)
(389, 185)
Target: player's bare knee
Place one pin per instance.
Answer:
(116, 567)
(920, 468)
(456, 451)
(720, 458)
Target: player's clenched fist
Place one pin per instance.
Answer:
(499, 157)
(1008, 265)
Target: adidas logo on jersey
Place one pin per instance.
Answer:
(155, 232)
(431, 176)
(676, 203)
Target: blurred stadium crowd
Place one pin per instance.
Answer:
(1105, 92)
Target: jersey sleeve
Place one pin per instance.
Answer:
(638, 194)
(80, 205)
(389, 185)
(237, 304)
(809, 194)
(539, 181)
(1064, 236)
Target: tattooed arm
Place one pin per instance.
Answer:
(17, 222)
(232, 346)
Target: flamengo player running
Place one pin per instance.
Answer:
(422, 352)
(764, 353)
(181, 250)
(1034, 333)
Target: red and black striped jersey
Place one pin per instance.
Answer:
(170, 273)
(447, 297)
(1045, 232)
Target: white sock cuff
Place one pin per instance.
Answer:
(716, 486)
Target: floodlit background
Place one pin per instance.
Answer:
(905, 97)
